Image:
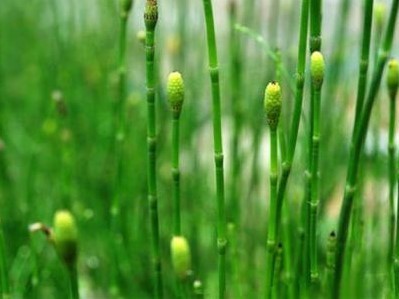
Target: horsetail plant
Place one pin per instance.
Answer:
(272, 105)
(218, 145)
(150, 20)
(356, 147)
(65, 236)
(392, 84)
(317, 74)
(125, 8)
(175, 90)
(330, 259)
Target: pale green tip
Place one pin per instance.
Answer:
(65, 236)
(175, 91)
(181, 256)
(141, 36)
(272, 104)
(317, 68)
(379, 14)
(393, 76)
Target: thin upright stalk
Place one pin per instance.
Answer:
(4, 285)
(357, 145)
(330, 266)
(218, 146)
(176, 176)
(300, 82)
(314, 203)
(392, 181)
(271, 229)
(74, 284)
(150, 18)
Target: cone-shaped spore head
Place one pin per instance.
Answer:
(272, 104)
(317, 68)
(151, 14)
(393, 76)
(181, 256)
(65, 237)
(175, 90)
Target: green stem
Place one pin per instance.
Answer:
(176, 176)
(4, 286)
(74, 284)
(271, 228)
(392, 181)
(300, 80)
(151, 166)
(218, 147)
(314, 203)
(330, 266)
(357, 145)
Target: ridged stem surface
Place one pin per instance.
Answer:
(356, 148)
(217, 143)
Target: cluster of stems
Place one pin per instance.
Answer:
(357, 143)
(218, 145)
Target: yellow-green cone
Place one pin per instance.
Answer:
(393, 76)
(181, 256)
(151, 14)
(317, 68)
(66, 237)
(272, 104)
(175, 90)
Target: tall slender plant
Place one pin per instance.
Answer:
(356, 147)
(392, 82)
(150, 20)
(218, 145)
(317, 71)
(175, 89)
(272, 105)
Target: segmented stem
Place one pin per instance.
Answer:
(151, 147)
(218, 147)
(356, 148)
(176, 176)
(271, 229)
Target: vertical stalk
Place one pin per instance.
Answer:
(272, 105)
(218, 146)
(176, 176)
(74, 285)
(300, 81)
(271, 238)
(317, 69)
(356, 148)
(4, 285)
(392, 180)
(330, 266)
(119, 131)
(150, 19)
